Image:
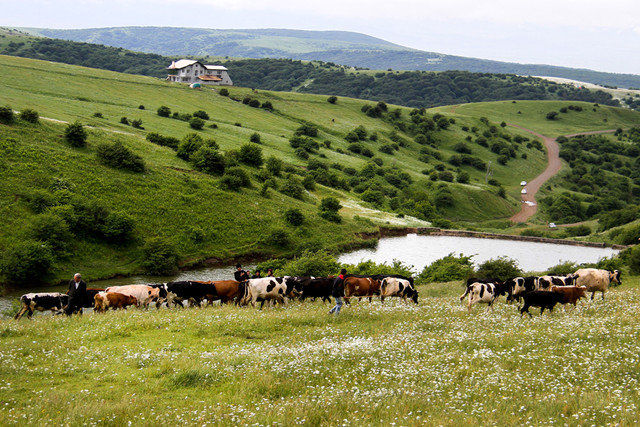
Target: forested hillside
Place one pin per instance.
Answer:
(341, 47)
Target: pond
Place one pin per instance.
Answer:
(420, 251)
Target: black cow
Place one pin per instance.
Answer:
(44, 301)
(317, 288)
(542, 299)
(189, 290)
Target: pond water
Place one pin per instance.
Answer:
(419, 251)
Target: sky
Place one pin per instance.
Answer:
(598, 34)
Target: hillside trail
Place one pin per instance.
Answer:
(554, 164)
(51, 119)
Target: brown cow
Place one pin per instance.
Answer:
(361, 287)
(226, 290)
(115, 300)
(570, 294)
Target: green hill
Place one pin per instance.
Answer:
(387, 165)
(340, 47)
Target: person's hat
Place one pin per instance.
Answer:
(238, 266)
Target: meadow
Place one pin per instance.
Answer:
(397, 364)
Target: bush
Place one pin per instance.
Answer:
(501, 268)
(448, 268)
(51, 229)
(235, 178)
(141, 107)
(274, 165)
(330, 204)
(302, 153)
(578, 230)
(224, 92)
(278, 239)
(196, 123)
(97, 114)
(189, 145)
(117, 227)
(27, 263)
(318, 264)
(292, 187)
(255, 138)
(294, 217)
(562, 269)
(552, 115)
(632, 257)
(6, 115)
(159, 257)
(251, 155)
(118, 156)
(267, 105)
(164, 111)
(307, 129)
(164, 141)
(137, 123)
(29, 115)
(463, 177)
(330, 216)
(387, 149)
(124, 121)
(332, 99)
(209, 160)
(75, 134)
(201, 114)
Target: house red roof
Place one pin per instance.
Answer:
(210, 78)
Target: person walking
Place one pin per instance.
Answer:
(240, 275)
(77, 295)
(338, 292)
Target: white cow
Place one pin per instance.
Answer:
(485, 292)
(596, 280)
(396, 287)
(268, 289)
(143, 293)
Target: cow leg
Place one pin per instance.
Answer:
(602, 295)
(21, 313)
(593, 294)
(29, 312)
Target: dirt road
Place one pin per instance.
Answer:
(554, 164)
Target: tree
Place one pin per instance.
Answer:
(501, 268)
(235, 178)
(209, 160)
(294, 217)
(26, 263)
(189, 145)
(75, 135)
(332, 99)
(201, 114)
(29, 115)
(251, 154)
(118, 156)
(255, 138)
(196, 123)
(164, 111)
(274, 165)
(159, 257)
(6, 115)
(224, 92)
(292, 187)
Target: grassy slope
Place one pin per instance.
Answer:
(431, 364)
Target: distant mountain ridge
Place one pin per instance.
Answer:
(341, 47)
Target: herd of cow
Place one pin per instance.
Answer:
(544, 292)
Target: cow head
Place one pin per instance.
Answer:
(614, 277)
(413, 294)
(294, 286)
(514, 287)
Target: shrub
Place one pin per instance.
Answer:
(578, 230)
(294, 217)
(330, 204)
(255, 138)
(387, 149)
(97, 114)
(501, 268)
(254, 103)
(164, 111)
(6, 115)
(274, 165)
(75, 134)
(309, 183)
(445, 176)
(632, 256)
(235, 178)
(461, 147)
(330, 216)
(630, 235)
(26, 263)
(137, 123)
(319, 264)
(29, 115)
(332, 99)
(165, 141)
(196, 123)
(302, 153)
(251, 155)
(463, 177)
(159, 257)
(292, 187)
(201, 114)
(562, 269)
(117, 227)
(224, 92)
(552, 115)
(307, 129)
(278, 238)
(449, 268)
(141, 107)
(118, 156)
(189, 145)
(124, 121)
(209, 160)
(267, 105)
(51, 229)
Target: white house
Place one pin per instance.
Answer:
(192, 71)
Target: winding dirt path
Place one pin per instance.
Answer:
(554, 164)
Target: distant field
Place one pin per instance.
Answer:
(373, 364)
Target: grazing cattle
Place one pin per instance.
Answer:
(394, 287)
(545, 282)
(542, 299)
(268, 289)
(91, 293)
(596, 280)
(144, 294)
(521, 285)
(361, 287)
(190, 290)
(317, 288)
(471, 281)
(115, 300)
(485, 292)
(44, 301)
(570, 294)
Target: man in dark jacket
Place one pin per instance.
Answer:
(338, 292)
(240, 275)
(77, 294)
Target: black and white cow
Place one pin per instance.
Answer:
(473, 280)
(521, 285)
(192, 291)
(268, 289)
(43, 301)
(482, 291)
(545, 282)
(395, 287)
